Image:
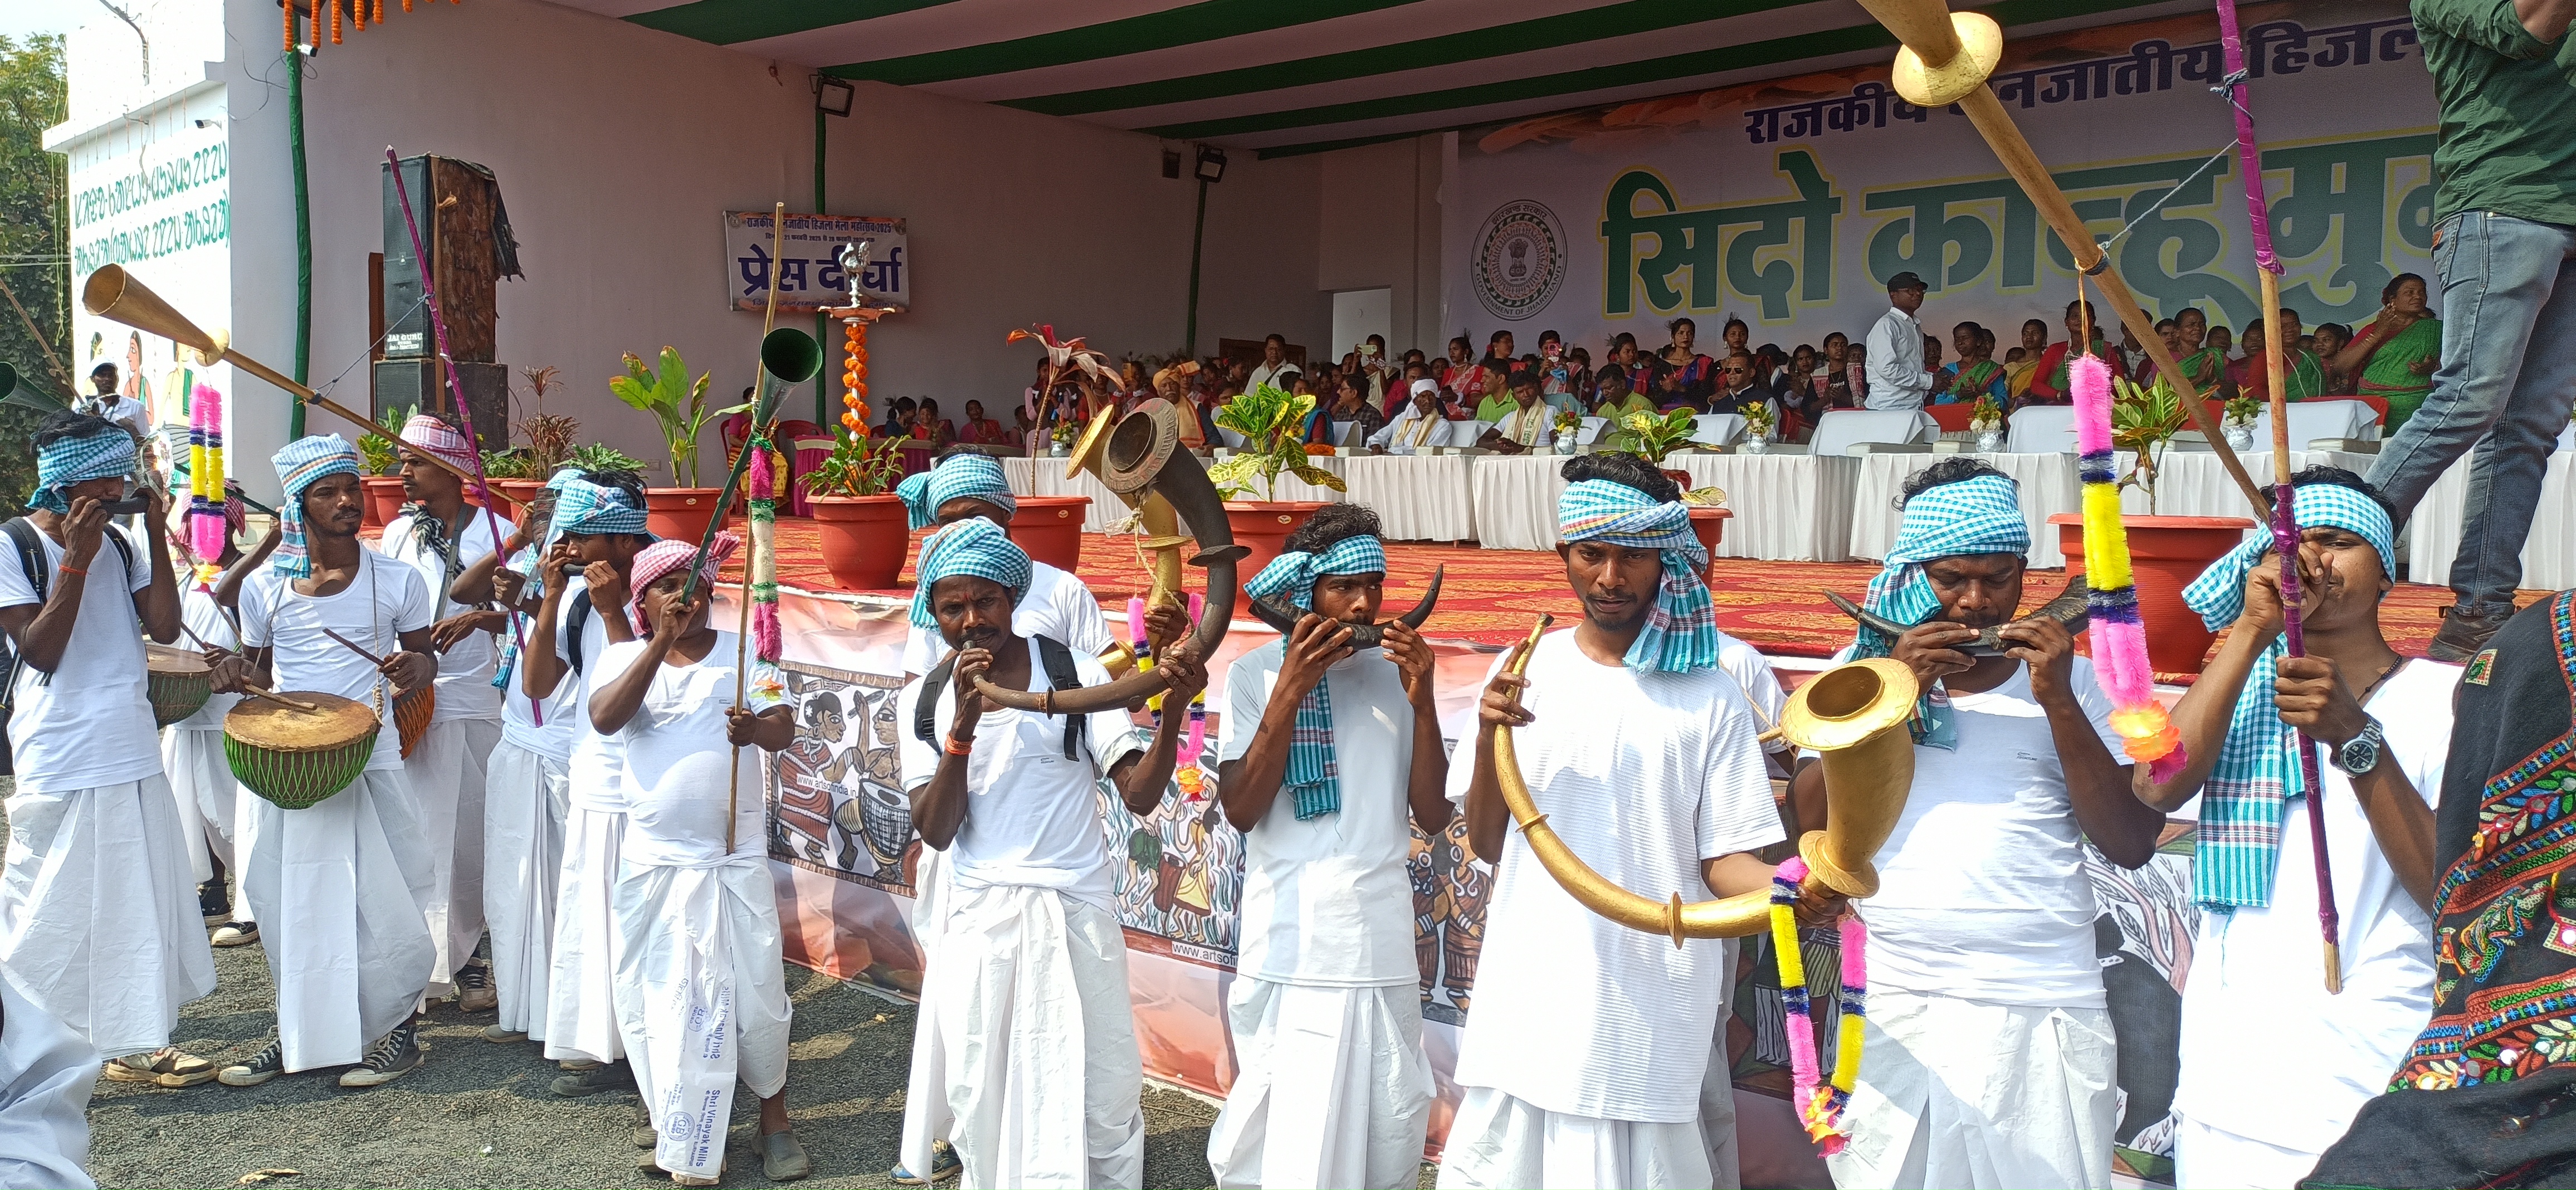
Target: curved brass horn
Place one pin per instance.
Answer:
(1141, 458)
(1854, 714)
(1282, 616)
(2071, 609)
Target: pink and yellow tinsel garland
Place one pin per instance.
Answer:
(2147, 733)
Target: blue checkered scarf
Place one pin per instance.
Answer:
(299, 465)
(588, 508)
(1314, 779)
(976, 547)
(67, 461)
(2258, 767)
(1681, 634)
(532, 563)
(973, 476)
(1977, 515)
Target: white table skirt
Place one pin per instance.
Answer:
(2193, 483)
(1044, 476)
(1416, 497)
(2548, 555)
(1788, 508)
(2048, 481)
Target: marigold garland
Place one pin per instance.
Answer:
(1819, 1105)
(2147, 733)
(854, 376)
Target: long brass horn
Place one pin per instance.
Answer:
(111, 294)
(1853, 714)
(1156, 520)
(1282, 616)
(1142, 457)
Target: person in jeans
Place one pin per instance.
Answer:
(2504, 246)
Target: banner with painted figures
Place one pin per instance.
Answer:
(810, 271)
(1789, 203)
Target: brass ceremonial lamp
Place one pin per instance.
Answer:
(855, 320)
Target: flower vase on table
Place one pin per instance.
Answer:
(1990, 442)
(1757, 430)
(1986, 421)
(1757, 446)
(1569, 426)
(2238, 422)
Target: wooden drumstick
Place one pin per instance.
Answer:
(352, 646)
(282, 700)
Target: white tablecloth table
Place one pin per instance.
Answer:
(1044, 476)
(2192, 483)
(1790, 508)
(2048, 482)
(1416, 497)
(1842, 429)
(2548, 555)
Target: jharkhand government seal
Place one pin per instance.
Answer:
(1520, 259)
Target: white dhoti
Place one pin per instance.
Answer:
(701, 999)
(1043, 1074)
(1503, 1143)
(447, 769)
(2217, 1159)
(208, 798)
(46, 1074)
(1960, 1093)
(1335, 1090)
(523, 843)
(98, 914)
(581, 1005)
(340, 890)
(925, 1094)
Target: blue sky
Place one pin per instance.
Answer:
(19, 18)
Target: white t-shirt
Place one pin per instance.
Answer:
(679, 769)
(90, 724)
(1057, 605)
(1896, 376)
(597, 763)
(1982, 893)
(1752, 671)
(203, 616)
(1032, 816)
(1327, 901)
(383, 601)
(2260, 973)
(1645, 775)
(552, 739)
(465, 672)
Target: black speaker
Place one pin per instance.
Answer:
(466, 233)
(416, 384)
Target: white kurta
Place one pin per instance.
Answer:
(192, 756)
(1962, 1093)
(46, 1074)
(523, 842)
(581, 1011)
(339, 889)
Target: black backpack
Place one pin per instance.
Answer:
(30, 547)
(576, 618)
(1053, 657)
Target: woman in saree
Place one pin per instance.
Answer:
(1686, 377)
(2393, 358)
(2204, 362)
(2034, 342)
(2302, 377)
(1976, 374)
(2049, 386)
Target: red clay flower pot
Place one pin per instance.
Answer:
(682, 514)
(2165, 554)
(1050, 528)
(1264, 525)
(384, 499)
(1708, 521)
(864, 539)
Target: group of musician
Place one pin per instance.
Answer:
(587, 790)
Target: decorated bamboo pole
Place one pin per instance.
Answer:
(753, 444)
(1946, 59)
(456, 389)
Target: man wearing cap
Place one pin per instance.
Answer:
(1419, 424)
(1583, 1062)
(1330, 758)
(1988, 1058)
(967, 485)
(2381, 723)
(439, 535)
(1895, 349)
(97, 927)
(340, 888)
(1030, 972)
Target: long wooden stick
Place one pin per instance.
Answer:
(750, 439)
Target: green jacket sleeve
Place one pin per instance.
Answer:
(2489, 24)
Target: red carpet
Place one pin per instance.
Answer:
(1491, 596)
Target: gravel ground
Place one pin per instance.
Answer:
(479, 1114)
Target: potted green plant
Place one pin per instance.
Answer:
(2165, 552)
(382, 457)
(548, 438)
(1654, 437)
(679, 407)
(2239, 422)
(851, 494)
(1269, 419)
(1986, 421)
(601, 457)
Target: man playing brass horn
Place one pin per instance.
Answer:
(1987, 1058)
(1584, 1057)
(1329, 755)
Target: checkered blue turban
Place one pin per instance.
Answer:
(300, 464)
(1681, 635)
(1314, 778)
(67, 461)
(972, 476)
(975, 547)
(1977, 515)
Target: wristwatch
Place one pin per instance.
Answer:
(2360, 754)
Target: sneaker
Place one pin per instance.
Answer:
(944, 1164)
(240, 933)
(215, 902)
(782, 1159)
(615, 1076)
(640, 1128)
(164, 1067)
(2464, 632)
(267, 1064)
(503, 1034)
(397, 1055)
(474, 988)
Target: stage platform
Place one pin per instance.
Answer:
(1489, 596)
